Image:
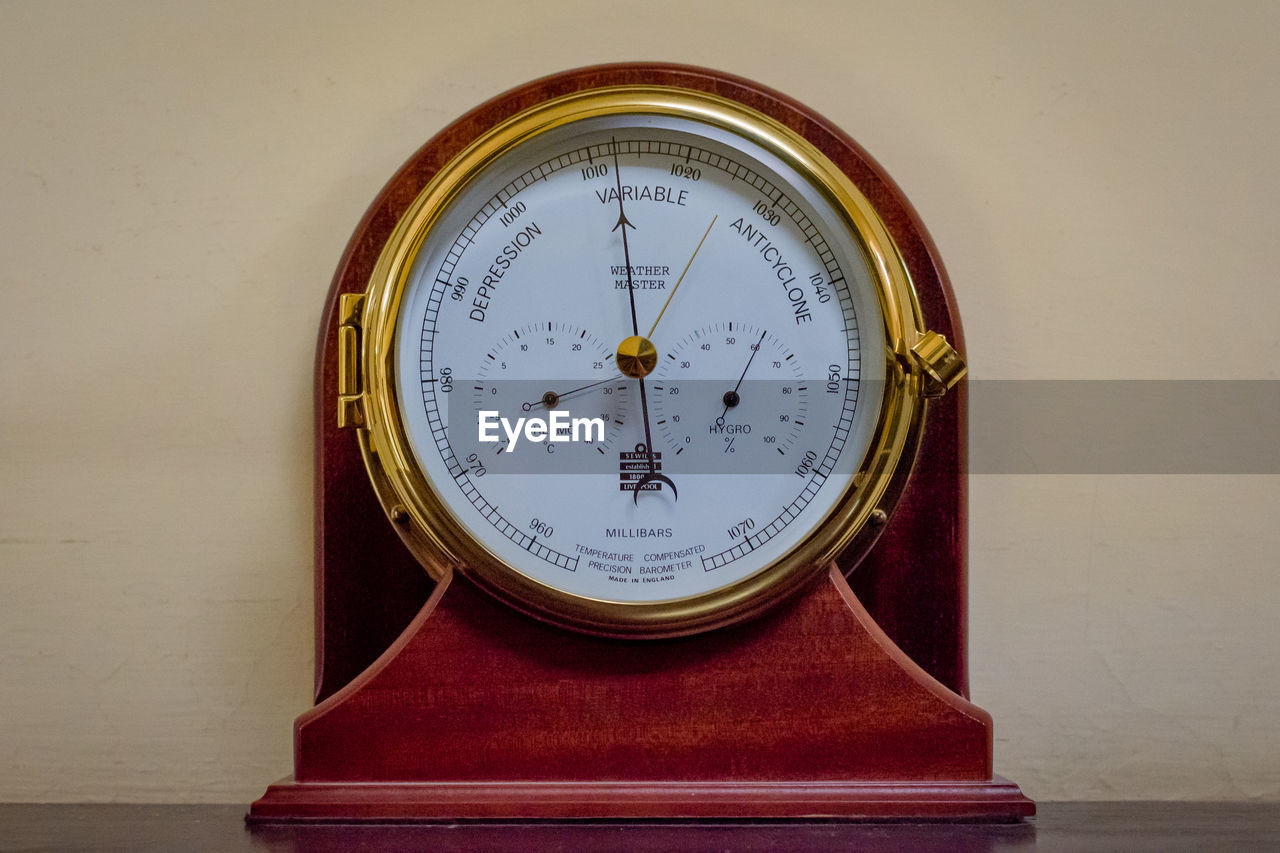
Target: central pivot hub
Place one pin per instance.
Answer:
(637, 357)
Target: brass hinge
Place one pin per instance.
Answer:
(941, 364)
(350, 394)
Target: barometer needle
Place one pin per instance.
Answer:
(681, 278)
(624, 224)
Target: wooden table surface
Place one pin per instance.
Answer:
(1128, 827)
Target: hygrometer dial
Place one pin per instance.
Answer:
(734, 388)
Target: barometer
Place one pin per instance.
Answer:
(639, 362)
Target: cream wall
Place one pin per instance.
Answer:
(177, 184)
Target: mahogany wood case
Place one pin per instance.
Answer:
(849, 701)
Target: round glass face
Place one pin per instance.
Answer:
(639, 358)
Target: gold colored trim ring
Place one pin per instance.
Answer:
(915, 363)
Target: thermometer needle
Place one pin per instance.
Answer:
(551, 398)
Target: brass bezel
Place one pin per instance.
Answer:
(442, 543)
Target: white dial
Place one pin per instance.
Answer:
(761, 308)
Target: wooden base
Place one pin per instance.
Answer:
(997, 799)
(480, 712)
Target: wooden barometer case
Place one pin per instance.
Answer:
(741, 592)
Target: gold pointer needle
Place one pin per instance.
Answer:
(681, 278)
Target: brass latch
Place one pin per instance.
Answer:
(942, 365)
(350, 394)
